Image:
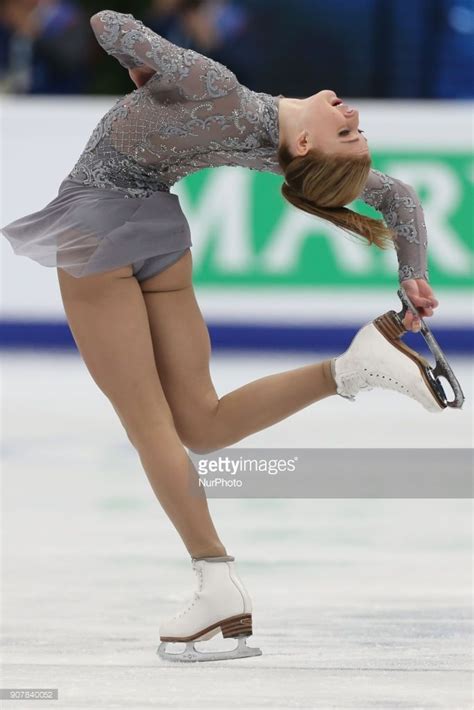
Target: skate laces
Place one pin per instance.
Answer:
(195, 595)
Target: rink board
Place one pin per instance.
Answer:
(267, 276)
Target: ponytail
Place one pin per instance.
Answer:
(321, 185)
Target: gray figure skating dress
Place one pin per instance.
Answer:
(115, 207)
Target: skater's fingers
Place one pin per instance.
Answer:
(421, 301)
(411, 322)
(425, 312)
(425, 301)
(426, 292)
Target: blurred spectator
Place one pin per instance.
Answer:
(224, 30)
(363, 48)
(219, 29)
(165, 17)
(45, 47)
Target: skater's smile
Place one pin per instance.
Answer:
(322, 121)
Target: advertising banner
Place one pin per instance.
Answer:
(245, 234)
(262, 269)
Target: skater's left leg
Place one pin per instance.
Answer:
(182, 348)
(108, 318)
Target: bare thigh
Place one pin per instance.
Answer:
(182, 350)
(109, 322)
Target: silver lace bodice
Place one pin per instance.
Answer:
(193, 114)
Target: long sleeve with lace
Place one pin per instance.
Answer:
(402, 211)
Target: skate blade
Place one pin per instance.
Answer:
(392, 328)
(193, 655)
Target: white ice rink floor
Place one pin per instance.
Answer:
(357, 603)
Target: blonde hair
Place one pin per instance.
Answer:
(322, 184)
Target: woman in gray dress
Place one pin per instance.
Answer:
(121, 246)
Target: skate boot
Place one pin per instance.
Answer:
(377, 357)
(220, 604)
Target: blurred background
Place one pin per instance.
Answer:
(369, 48)
(371, 591)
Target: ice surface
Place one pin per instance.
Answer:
(357, 603)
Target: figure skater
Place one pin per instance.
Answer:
(121, 246)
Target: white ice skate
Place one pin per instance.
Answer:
(221, 603)
(377, 357)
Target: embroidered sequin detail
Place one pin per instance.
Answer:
(191, 114)
(403, 213)
(409, 272)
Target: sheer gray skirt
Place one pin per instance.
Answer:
(89, 230)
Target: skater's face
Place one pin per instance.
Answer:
(331, 126)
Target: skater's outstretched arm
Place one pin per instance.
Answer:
(403, 213)
(138, 47)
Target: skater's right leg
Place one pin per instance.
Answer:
(108, 318)
(205, 421)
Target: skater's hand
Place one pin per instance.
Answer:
(421, 295)
(141, 75)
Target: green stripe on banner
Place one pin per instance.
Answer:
(245, 234)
